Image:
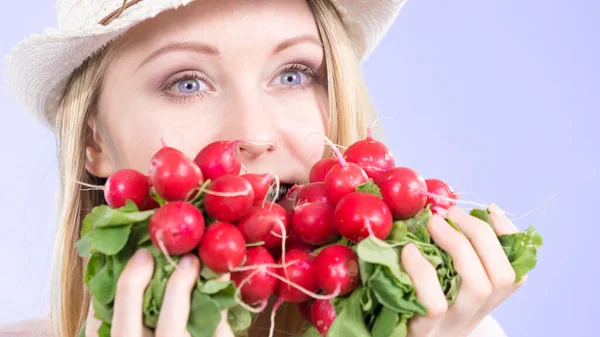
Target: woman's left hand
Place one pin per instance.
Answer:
(487, 276)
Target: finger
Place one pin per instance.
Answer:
(127, 316)
(475, 287)
(485, 242)
(502, 225)
(92, 324)
(175, 310)
(428, 290)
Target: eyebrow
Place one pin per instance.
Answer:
(208, 49)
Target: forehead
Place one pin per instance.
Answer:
(227, 24)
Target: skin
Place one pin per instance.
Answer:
(241, 94)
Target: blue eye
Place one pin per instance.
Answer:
(189, 86)
(292, 78)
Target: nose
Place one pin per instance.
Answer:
(251, 150)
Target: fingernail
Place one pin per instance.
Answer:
(495, 210)
(438, 221)
(412, 249)
(142, 256)
(186, 261)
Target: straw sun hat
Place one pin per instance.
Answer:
(39, 67)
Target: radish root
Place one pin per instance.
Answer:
(335, 294)
(163, 249)
(238, 295)
(91, 186)
(265, 265)
(273, 313)
(533, 210)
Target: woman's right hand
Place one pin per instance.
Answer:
(174, 312)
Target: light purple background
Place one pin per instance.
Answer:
(496, 97)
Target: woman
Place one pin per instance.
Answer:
(118, 77)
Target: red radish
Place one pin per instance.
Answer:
(404, 191)
(342, 178)
(173, 175)
(372, 156)
(440, 188)
(222, 248)
(313, 192)
(320, 169)
(178, 227)
(313, 223)
(322, 315)
(275, 237)
(336, 266)
(258, 223)
(150, 204)
(219, 158)
(292, 242)
(301, 272)
(304, 309)
(228, 198)
(260, 185)
(260, 285)
(353, 211)
(127, 184)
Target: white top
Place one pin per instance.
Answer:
(489, 327)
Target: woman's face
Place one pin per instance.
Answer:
(216, 70)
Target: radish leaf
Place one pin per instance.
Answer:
(105, 216)
(521, 250)
(369, 187)
(350, 321)
(384, 323)
(204, 315)
(239, 319)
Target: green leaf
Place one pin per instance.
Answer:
(159, 200)
(140, 234)
(239, 319)
(82, 329)
(419, 220)
(214, 286)
(154, 293)
(104, 216)
(102, 312)
(399, 231)
(104, 330)
(94, 265)
(350, 321)
(385, 323)
(204, 315)
(369, 187)
(108, 241)
(207, 273)
(368, 250)
(366, 270)
(390, 294)
(102, 285)
(223, 297)
(401, 329)
(453, 225)
(483, 214)
(312, 331)
(521, 250)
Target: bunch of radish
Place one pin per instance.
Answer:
(335, 253)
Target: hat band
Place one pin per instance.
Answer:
(110, 17)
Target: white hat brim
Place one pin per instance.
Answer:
(39, 67)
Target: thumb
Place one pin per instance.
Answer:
(223, 329)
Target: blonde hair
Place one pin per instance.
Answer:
(350, 110)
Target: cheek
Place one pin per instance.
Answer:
(138, 128)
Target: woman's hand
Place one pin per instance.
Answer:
(487, 276)
(174, 312)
